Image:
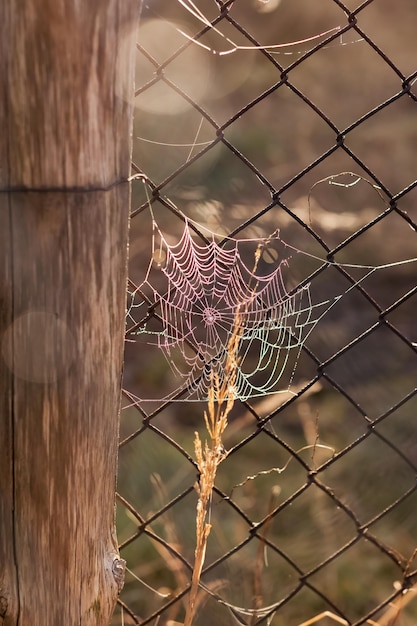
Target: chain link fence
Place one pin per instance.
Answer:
(254, 117)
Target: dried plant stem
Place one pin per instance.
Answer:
(221, 398)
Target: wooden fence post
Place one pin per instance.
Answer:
(66, 93)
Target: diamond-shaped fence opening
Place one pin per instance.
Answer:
(292, 125)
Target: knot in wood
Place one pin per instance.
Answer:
(118, 569)
(3, 606)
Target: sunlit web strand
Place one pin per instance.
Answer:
(199, 15)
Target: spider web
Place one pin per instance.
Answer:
(206, 290)
(194, 295)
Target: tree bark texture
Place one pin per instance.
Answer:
(66, 93)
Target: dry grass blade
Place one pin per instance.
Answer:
(210, 454)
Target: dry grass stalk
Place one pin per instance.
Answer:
(221, 398)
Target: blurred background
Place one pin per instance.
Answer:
(255, 116)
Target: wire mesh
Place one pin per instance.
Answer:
(312, 515)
